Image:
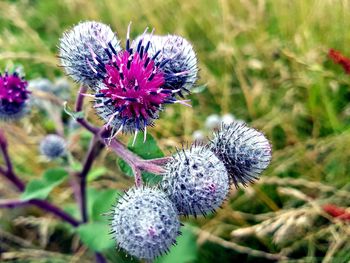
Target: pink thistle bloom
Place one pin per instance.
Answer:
(13, 96)
(133, 87)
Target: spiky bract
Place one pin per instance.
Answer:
(77, 46)
(145, 223)
(53, 146)
(181, 69)
(196, 181)
(13, 96)
(182, 61)
(245, 152)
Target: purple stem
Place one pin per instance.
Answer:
(9, 173)
(138, 176)
(88, 126)
(133, 160)
(159, 161)
(149, 166)
(11, 176)
(44, 205)
(55, 210)
(12, 203)
(79, 107)
(128, 157)
(94, 149)
(99, 258)
(80, 99)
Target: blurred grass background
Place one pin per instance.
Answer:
(265, 62)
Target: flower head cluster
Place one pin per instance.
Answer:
(13, 96)
(130, 86)
(145, 223)
(245, 152)
(196, 181)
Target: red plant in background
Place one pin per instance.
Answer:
(340, 59)
(337, 212)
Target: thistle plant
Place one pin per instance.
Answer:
(130, 86)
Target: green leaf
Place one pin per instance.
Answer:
(92, 194)
(95, 236)
(124, 167)
(199, 89)
(72, 209)
(102, 202)
(41, 188)
(75, 165)
(74, 114)
(147, 150)
(185, 251)
(150, 178)
(95, 173)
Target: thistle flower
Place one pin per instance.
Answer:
(133, 87)
(145, 223)
(53, 146)
(181, 69)
(196, 181)
(245, 152)
(198, 136)
(13, 96)
(81, 45)
(182, 59)
(213, 122)
(41, 84)
(61, 84)
(228, 118)
(62, 88)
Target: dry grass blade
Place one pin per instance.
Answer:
(231, 245)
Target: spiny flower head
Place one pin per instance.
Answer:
(213, 122)
(77, 46)
(13, 96)
(53, 146)
(145, 223)
(245, 152)
(182, 58)
(196, 181)
(134, 87)
(41, 84)
(181, 69)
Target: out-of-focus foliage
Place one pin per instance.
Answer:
(264, 61)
